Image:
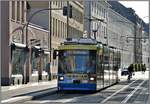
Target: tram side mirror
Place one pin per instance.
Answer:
(54, 54)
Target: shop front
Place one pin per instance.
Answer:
(40, 69)
(18, 59)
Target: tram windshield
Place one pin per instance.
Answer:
(77, 61)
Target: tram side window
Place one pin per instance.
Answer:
(100, 61)
(106, 59)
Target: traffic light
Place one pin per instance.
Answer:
(70, 11)
(66, 10)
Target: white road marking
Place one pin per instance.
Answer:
(52, 101)
(131, 94)
(117, 92)
(15, 99)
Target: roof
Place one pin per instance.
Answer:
(128, 13)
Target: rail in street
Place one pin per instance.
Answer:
(134, 93)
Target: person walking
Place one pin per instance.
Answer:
(130, 71)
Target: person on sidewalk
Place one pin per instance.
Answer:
(48, 66)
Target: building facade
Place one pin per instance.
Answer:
(5, 50)
(27, 50)
(119, 29)
(130, 14)
(95, 19)
(30, 57)
(145, 49)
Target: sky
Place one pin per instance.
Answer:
(141, 8)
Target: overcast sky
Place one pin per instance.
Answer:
(141, 8)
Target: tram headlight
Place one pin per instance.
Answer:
(61, 78)
(92, 78)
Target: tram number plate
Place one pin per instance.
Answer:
(76, 81)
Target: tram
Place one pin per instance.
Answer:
(85, 64)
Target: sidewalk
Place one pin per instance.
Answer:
(13, 91)
(137, 75)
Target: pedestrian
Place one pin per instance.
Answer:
(130, 71)
(48, 70)
(144, 67)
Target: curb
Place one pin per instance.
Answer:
(27, 97)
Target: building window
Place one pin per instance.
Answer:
(53, 2)
(46, 65)
(13, 10)
(18, 60)
(56, 3)
(66, 30)
(102, 13)
(22, 18)
(53, 26)
(56, 28)
(104, 31)
(18, 10)
(95, 8)
(63, 29)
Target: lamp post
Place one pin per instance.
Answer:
(94, 19)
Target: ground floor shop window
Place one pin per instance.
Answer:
(46, 64)
(35, 63)
(18, 60)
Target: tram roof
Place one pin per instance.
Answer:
(87, 41)
(78, 46)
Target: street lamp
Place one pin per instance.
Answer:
(95, 30)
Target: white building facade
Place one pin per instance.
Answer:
(25, 64)
(119, 31)
(145, 49)
(97, 11)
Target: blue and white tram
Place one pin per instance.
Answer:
(85, 64)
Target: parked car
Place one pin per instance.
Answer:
(124, 72)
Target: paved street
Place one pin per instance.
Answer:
(134, 92)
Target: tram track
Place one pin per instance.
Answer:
(131, 94)
(125, 94)
(70, 96)
(121, 93)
